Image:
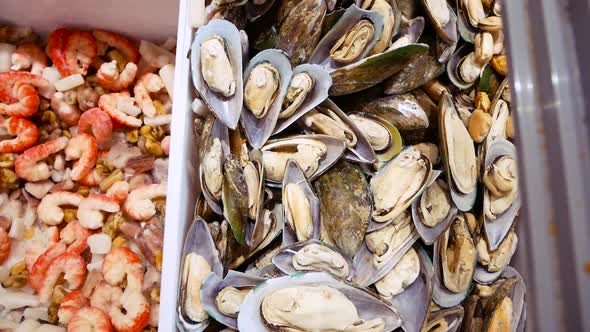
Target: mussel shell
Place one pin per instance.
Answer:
(213, 284)
(254, 233)
(449, 32)
(412, 304)
(404, 111)
(283, 259)
(321, 54)
(465, 29)
(453, 67)
(452, 316)
(365, 272)
(430, 234)
(258, 130)
(220, 131)
(444, 50)
(396, 143)
(483, 276)
(414, 74)
(335, 146)
(235, 198)
(253, 11)
(497, 229)
(368, 306)
(322, 84)
(413, 29)
(396, 14)
(294, 174)
(226, 109)
(270, 271)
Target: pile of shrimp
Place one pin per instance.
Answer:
(84, 143)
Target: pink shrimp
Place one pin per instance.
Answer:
(55, 47)
(9, 78)
(69, 305)
(68, 113)
(108, 75)
(120, 263)
(118, 191)
(89, 211)
(106, 297)
(29, 164)
(28, 101)
(26, 133)
(133, 314)
(166, 145)
(148, 83)
(119, 42)
(92, 179)
(42, 263)
(79, 52)
(116, 105)
(49, 210)
(93, 279)
(71, 265)
(4, 245)
(29, 56)
(75, 236)
(139, 205)
(98, 123)
(39, 245)
(84, 149)
(89, 319)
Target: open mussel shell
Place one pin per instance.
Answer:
(448, 113)
(466, 31)
(227, 109)
(322, 84)
(254, 11)
(390, 29)
(447, 320)
(482, 275)
(497, 229)
(409, 33)
(284, 259)
(391, 172)
(454, 66)
(269, 271)
(335, 149)
(430, 234)
(258, 130)
(362, 150)
(294, 176)
(445, 30)
(365, 271)
(368, 306)
(444, 50)
(199, 242)
(213, 129)
(395, 143)
(412, 304)
(213, 284)
(254, 233)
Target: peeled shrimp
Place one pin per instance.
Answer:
(29, 164)
(49, 210)
(4, 245)
(83, 148)
(75, 236)
(26, 133)
(115, 105)
(71, 265)
(106, 297)
(29, 56)
(89, 210)
(43, 262)
(118, 191)
(10, 78)
(39, 244)
(108, 75)
(28, 101)
(90, 319)
(148, 83)
(120, 263)
(98, 123)
(134, 313)
(139, 205)
(55, 48)
(79, 52)
(69, 305)
(92, 179)
(68, 113)
(119, 42)
(166, 145)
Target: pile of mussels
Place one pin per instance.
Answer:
(356, 169)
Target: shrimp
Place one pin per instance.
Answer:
(26, 133)
(10, 78)
(117, 106)
(98, 123)
(165, 144)
(93, 279)
(67, 112)
(83, 148)
(134, 314)
(108, 75)
(148, 83)
(106, 297)
(42, 263)
(79, 52)
(39, 244)
(4, 245)
(69, 305)
(139, 205)
(92, 179)
(29, 56)
(120, 263)
(90, 319)
(49, 210)
(55, 47)
(71, 265)
(89, 211)
(118, 191)
(29, 164)
(119, 42)
(28, 101)
(75, 236)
